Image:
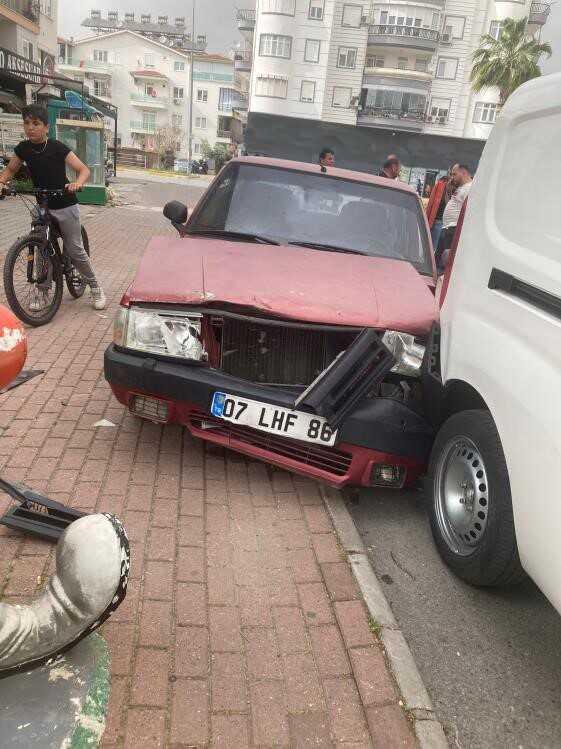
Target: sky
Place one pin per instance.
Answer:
(216, 19)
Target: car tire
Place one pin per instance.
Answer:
(470, 505)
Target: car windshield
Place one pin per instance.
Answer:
(316, 210)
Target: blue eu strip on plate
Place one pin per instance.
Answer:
(218, 401)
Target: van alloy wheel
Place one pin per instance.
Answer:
(462, 496)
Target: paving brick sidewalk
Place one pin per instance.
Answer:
(243, 625)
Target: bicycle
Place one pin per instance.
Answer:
(35, 266)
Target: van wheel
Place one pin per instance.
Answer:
(470, 502)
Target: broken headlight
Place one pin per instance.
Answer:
(406, 351)
(160, 332)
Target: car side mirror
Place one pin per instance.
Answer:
(178, 214)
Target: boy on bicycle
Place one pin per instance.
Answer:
(46, 161)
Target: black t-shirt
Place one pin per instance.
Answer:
(441, 207)
(47, 167)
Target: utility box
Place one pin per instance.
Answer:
(86, 139)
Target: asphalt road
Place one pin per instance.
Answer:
(491, 660)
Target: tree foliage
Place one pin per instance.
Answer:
(509, 61)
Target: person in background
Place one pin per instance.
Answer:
(327, 158)
(439, 197)
(46, 161)
(461, 181)
(391, 168)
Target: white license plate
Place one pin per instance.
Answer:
(275, 419)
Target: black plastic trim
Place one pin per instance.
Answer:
(499, 280)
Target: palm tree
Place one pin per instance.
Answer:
(509, 61)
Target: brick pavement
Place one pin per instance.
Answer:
(243, 625)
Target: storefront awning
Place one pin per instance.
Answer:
(10, 102)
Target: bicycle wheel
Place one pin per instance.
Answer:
(75, 281)
(32, 283)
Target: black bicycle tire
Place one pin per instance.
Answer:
(15, 306)
(71, 289)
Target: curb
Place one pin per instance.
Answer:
(428, 729)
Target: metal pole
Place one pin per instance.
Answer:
(191, 80)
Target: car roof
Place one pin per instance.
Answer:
(302, 166)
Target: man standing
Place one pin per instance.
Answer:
(461, 180)
(326, 158)
(47, 160)
(391, 168)
(439, 198)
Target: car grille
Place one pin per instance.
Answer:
(269, 353)
(327, 459)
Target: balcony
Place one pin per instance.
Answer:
(539, 13)
(100, 69)
(397, 77)
(227, 107)
(27, 10)
(403, 36)
(243, 61)
(200, 75)
(145, 128)
(224, 134)
(396, 119)
(147, 101)
(246, 19)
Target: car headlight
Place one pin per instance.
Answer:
(160, 332)
(406, 351)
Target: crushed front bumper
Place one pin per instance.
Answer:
(379, 431)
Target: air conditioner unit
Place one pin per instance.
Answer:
(446, 36)
(441, 120)
(178, 102)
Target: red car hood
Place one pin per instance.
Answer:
(289, 282)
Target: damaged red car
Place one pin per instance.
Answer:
(287, 321)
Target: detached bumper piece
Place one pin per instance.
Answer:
(339, 389)
(37, 514)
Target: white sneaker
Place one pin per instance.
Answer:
(99, 300)
(38, 302)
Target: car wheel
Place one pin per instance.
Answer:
(470, 502)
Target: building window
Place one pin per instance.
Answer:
(280, 7)
(352, 15)
(178, 92)
(149, 121)
(196, 147)
(383, 17)
(177, 120)
(101, 88)
(446, 68)
(435, 20)
(421, 64)
(272, 86)
(495, 29)
(342, 97)
(440, 111)
(402, 63)
(100, 55)
(312, 50)
(27, 49)
(149, 60)
(346, 57)
(202, 95)
(485, 112)
(308, 91)
(316, 10)
(375, 61)
(179, 67)
(396, 103)
(275, 45)
(47, 8)
(455, 26)
(201, 123)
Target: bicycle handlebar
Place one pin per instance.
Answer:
(47, 193)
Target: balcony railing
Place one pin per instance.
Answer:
(242, 60)
(223, 133)
(539, 13)
(149, 128)
(228, 106)
(246, 19)
(411, 32)
(149, 99)
(411, 115)
(27, 8)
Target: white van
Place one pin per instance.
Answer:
(494, 368)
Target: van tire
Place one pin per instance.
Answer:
(490, 558)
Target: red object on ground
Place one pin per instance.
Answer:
(13, 346)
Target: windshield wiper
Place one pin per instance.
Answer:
(328, 247)
(234, 235)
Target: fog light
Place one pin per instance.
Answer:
(153, 409)
(388, 475)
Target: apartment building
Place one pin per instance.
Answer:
(397, 65)
(149, 82)
(28, 45)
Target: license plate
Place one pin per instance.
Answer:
(277, 420)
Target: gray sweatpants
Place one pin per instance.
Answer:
(70, 228)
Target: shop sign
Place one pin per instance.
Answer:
(19, 67)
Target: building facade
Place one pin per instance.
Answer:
(400, 65)
(149, 82)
